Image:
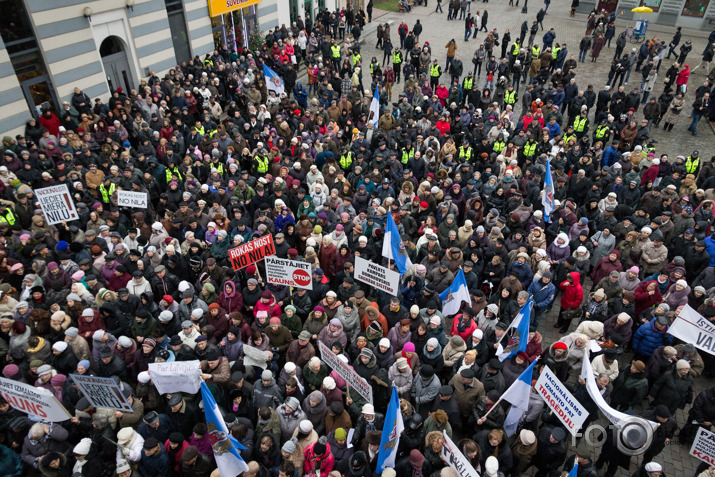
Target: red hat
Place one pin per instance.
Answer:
(523, 355)
(297, 112)
(214, 306)
(168, 298)
(424, 204)
(430, 175)
(251, 269)
(560, 345)
(292, 252)
(266, 294)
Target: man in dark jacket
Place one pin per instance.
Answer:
(184, 415)
(552, 450)
(154, 460)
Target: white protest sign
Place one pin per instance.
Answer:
(561, 401)
(352, 378)
(56, 204)
(455, 459)
(291, 273)
(691, 327)
(254, 357)
(102, 392)
(177, 376)
(704, 446)
(33, 401)
(379, 277)
(127, 198)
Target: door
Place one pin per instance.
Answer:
(39, 94)
(116, 64)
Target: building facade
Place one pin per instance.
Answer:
(689, 14)
(50, 47)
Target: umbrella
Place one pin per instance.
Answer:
(642, 10)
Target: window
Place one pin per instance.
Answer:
(695, 8)
(177, 26)
(654, 4)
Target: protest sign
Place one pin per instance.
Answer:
(691, 327)
(353, 379)
(56, 204)
(254, 357)
(33, 401)
(704, 446)
(455, 459)
(379, 277)
(561, 401)
(102, 392)
(251, 252)
(177, 376)
(126, 198)
(291, 273)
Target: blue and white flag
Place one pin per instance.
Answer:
(518, 396)
(375, 107)
(547, 195)
(273, 81)
(225, 447)
(393, 248)
(520, 336)
(453, 296)
(574, 469)
(391, 431)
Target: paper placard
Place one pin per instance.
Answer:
(33, 401)
(376, 276)
(56, 204)
(126, 198)
(290, 273)
(176, 376)
(102, 392)
(560, 400)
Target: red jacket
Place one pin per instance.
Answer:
(533, 347)
(643, 300)
(573, 294)
(326, 462)
(467, 333)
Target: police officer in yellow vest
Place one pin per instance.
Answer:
(555, 51)
(569, 135)
(408, 152)
(510, 96)
(346, 160)
(580, 124)
(602, 133)
(435, 72)
(499, 144)
(397, 60)
(260, 164)
(692, 163)
(106, 189)
(335, 53)
(535, 51)
(467, 84)
(465, 151)
(7, 216)
(356, 58)
(528, 150)
(374, 65)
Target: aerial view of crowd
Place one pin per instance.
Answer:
(545, 198)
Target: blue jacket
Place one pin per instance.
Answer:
(554, 129)
(543, 296)
(523, 273)
(301, 94)
(156, 465)
(610, 156)
(710, 248)
(647, 338)
(10, 463)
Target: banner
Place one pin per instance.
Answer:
(455, 459)
(353, 379)
(254, 357)
(703, 446)
(376, 276)
(177, 376)
(561, 401)
(56, 204)
(251, 252)
(33, 401)
(291, 273)
(126, 198)
(691, 327)
(102, 392)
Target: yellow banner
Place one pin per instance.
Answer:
(219, 7)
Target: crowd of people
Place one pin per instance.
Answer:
(225, 158)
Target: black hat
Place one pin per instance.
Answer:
(495, 364)
(558, 433)
(151, 417)
(662, 411)
(502, 326)
(446, 390)
(150, 443)
(467, 373)
(175, 399)
(493, 395)
(175, 341)
(426, 371)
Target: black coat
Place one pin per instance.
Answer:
(672, 390)
(550, 456)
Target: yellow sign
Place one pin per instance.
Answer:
(219, 7)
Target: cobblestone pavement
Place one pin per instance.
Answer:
(438, 31)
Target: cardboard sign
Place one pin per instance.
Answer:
(56, 204)
(254, 357)
(127, 198)
(376, 276)
(353, 379)
(561, 401)
(102, 392)
(177, 376)
(691, 327)
(291, 273)
(251, 252)
(33, 401)
(455, 459)
(703, 446)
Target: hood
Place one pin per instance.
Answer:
(229, 289)
(373, 312)
(564, 237)
(576, 277)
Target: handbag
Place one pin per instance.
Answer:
(571, 314)
(490, 77)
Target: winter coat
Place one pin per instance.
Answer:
(403, 380)
(643, 300)
(351, 322)
(605, 266)
(672, 390)
(629, 389)
(647, 338)
(573, 294)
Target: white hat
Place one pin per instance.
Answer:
(653, 467)
(143, 377)
(343, 358)
(491, 466)
(60, 346)
(289, 367)
(435, 320)
(478, 334)
(156, 226)
(125, 434)
(122, 466)
(329, 383)
(384, 342)
(197, 313)
(98, 335)
(305, 426)
(83, 447)
(368, 409)
(165, 316)
(682, 283)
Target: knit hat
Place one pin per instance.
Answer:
(478, 334)
(368, 409)
(305, 426)
(60, 346)
(84, 364)
(560, 345)
(289, 447)
(329, 383)
(491, 466)
(292, 403)
(340, 434)
(82, 448)
(433, 342)
(682, 364)
(527, 437)
(71, 332)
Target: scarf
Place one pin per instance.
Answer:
(409, 361)
(417, 472)
(461, 325)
